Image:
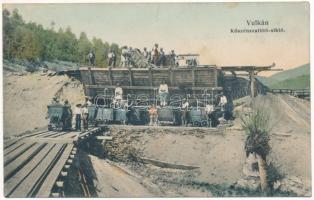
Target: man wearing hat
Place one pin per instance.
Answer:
(77, 114)
(85, 116)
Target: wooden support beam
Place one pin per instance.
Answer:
(171, 76)
(148, 87)
(150, 74)
(252, 80)
(193, 77)
(130, 77)
(110, 76)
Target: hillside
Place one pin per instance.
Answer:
(296, 78)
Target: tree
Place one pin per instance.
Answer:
(257, 127)
(84, 46)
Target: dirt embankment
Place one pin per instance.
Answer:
(26, 98)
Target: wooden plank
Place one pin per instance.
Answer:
(130, 77)
(10, 142)
(43, 135)
(150, 75)
(11, 184)
(71, 135)
(147, 87)
(49, 140)
(16, 153)
(33, 134)
(59, 134)
(110, 76)
(52, 134)
(12, 148)
(12, 167)
(193, 77)
(52, 177)
(28, 185)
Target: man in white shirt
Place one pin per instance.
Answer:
(223, 101)
(163, 93)
(124, 55)
(85, 117)
(77, 114)
(118, 95)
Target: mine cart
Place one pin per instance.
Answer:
(198, 117)
(92, 113)
(169, 116)
(120, 115)
(58, 117)
(104, 115)
(138, 115)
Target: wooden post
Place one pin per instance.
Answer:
(110, 76)
(130, 77)
(252, 78)
(193, 77)
(171, 76)
(150, 76)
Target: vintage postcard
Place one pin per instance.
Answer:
(156, 99)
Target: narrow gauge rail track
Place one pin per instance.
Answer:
(36, 164)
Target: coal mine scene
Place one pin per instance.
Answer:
(133, 100)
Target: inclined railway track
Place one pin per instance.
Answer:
(36, 164)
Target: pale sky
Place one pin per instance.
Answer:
(190, 28)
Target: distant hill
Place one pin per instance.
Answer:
(296, 78)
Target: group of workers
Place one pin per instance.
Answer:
(80, 114)
(163, 93)
(209, 110)
(156, 56)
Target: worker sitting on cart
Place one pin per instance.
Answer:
(153, 115)
(184, 112)
(163, 93)
(67, 116)
(118, 95)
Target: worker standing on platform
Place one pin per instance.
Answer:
(77, 114)
(91, 58)
(124, 55)
(110, 58)
(172, 58)
(85, 117)
(163, 93)
(155, 54)
(162, 58)
(145, 53)
(118, 95)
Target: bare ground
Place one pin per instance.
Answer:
(26, 98)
